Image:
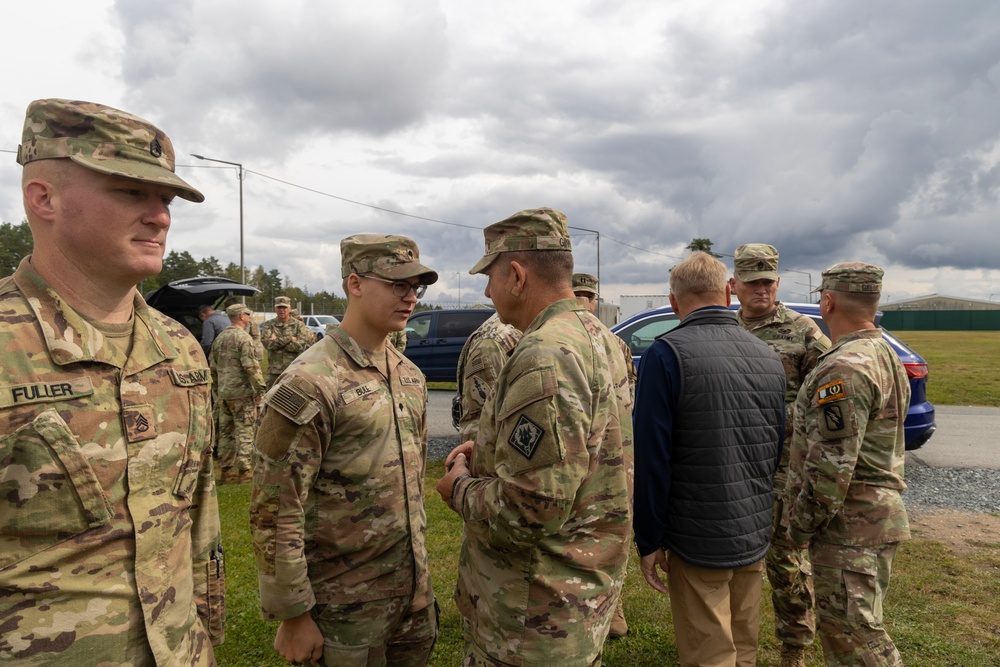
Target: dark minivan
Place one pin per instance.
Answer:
(434, 339)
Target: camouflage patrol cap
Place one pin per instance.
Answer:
(755, 261)
(236, 310)
(584, 282)
(852, 277)
(531, 229)
(282, 302)
(386, 255)
(103, 139)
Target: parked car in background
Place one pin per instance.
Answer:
(434, 339)
(318, 323)
(640, 330)
(181, 299)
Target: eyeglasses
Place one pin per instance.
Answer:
(400, 288)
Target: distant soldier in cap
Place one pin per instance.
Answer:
(109, 545)
(239, 386)
(585, 288)
(845, 475)
(544, 489)
(799, 342)
(337, 510)
(284, 337)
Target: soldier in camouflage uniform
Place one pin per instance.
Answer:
(337, 511)
(544, 489)
(239, 386)
(109, 526)
(799, 342)
(398, 340)
(845, 476)
(284, 338)
(585, 289)
(479, 364)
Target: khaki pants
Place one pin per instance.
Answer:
(716, 613)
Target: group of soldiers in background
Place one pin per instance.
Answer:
(111, 540)
(235, 356)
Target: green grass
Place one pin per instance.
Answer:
(963, 365)
(942, 609)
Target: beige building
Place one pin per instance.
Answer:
(940, 302)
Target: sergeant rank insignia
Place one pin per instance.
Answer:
(526, 436)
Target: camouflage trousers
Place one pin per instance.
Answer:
(476, 657)
(851, 583)
(790, 574)
(378, 633)
(235, 427)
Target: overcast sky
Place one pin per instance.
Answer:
(835, 129)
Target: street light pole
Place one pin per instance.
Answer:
(593, 231)
(810, 297)
(239, 175)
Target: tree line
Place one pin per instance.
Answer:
(16, 242)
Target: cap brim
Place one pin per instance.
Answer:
(483, 263)
(588, 290)
(140, 171)
(751, 276)
(427, 275)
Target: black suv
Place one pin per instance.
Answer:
(180, 299)
(434, 339)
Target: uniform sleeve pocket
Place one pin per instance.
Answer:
(199, 437)
(48, 489)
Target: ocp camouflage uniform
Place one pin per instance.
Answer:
(845, 480)
(109, 529)
(337, 510)
(479, 364)
(398, 340)
(630, 372)
(238, 382)
(799, 342)
(284, 342)
(547, 514)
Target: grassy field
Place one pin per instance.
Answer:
(964, 368)
(942, 609)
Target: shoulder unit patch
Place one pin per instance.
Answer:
(526, 436)
(830, 392)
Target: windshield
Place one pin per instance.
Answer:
(326, 319)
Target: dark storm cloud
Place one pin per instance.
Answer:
(268, 77)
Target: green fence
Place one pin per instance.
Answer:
(942, 320)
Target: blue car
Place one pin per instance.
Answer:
(640, 330)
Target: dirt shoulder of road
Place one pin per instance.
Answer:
(962, 532)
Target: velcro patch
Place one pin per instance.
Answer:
(830, 392)
(525, 437)
(45, 392)
(191, 378)
(139, 422)
(474, 365)
(351, 395)
(833, 418)
(410, 381)
(293, 400)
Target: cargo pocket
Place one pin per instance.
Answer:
(49, 491)
(199, 436)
